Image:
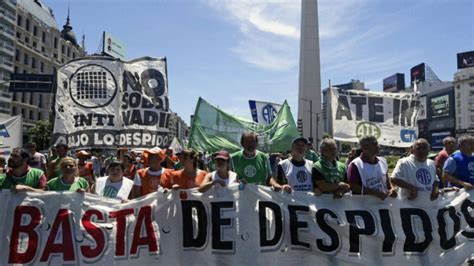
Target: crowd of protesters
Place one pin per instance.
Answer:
(129, 174)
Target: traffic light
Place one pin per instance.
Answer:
(300, 125)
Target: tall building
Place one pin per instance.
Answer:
(178, 128)
(309, 95)
(7, 51)
(464, 98)
(40, 48)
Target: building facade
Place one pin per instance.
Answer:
(7, 51)
(464, 98)
(178, 128)
(40, 48)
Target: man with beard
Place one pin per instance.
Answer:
(20, 176)
(250, 164)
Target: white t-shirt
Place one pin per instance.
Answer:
(422, 175)
(37, 160)
(231, 179)
(373, 176)
(298, 177)
(118, 190)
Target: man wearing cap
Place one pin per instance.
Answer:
(54, 169)
(86, 169)
(20, 176)
(294, 173)
(459, 168)
(148, 180)
(250, 164)
(37, 160)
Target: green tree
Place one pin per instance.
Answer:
(41, 134)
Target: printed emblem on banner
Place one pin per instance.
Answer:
(269, 113)
(301, 176)
(93, 86)
(367, 128)
(423, 176)
(407, 135)
(4, 131)
(250, 170)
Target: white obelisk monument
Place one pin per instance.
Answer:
(309, 95)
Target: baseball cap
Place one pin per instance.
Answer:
(221, 155)
(303, 139)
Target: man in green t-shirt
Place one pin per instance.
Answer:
(20, 176)
(330, 175)
(251, 165)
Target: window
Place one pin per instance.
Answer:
(41, 67)
(19, 21)
(27, 26)
(55, 43)
(27, 40)
(33, 62)
(17, 55)
(68, 52)
(42, 49)
(22, 112)
(40, 103)
(14, 110)
(62, 49)
(43, 37)
(18, 35)
(34, 44)
(35, 30)
(471, 84)
(73, 55)
(40, 117)
(25, 72)
(15, 69)
(25, 59)
(55, 55)
(31, 115)
(31, 98)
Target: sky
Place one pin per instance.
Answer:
(232, 51)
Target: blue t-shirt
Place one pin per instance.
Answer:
(461, 166)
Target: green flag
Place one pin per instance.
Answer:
(213, 130)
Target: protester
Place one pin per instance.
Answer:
(222, 175)
(37, 160)
(20, 176)
(294, 173)
(329, 174)
(86, 169)
(459, 168)
(114, 185)
(147, 180)
(53, 167)
(128, 162)
(354, 153)
(310, 153)
(250, 164)
(368, 173)
(95, 163)
(416, 172)
(449, 144)
(189, 177)
(170, 160)
(3, 163)
(69, 180)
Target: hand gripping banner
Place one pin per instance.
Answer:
(228, 226)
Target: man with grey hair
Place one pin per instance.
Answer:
(449, 144)
(368, 173)
(459, 168)
(416, 172)
(330, 174)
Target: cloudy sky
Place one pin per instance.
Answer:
(230, 51)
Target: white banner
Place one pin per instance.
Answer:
(107, 103)
(228, 226)
(264, 112)
(11, 135)
(391, 117)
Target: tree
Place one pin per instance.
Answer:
(41, 134)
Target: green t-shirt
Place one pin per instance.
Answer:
(56, 184)
(31, 179)
(311, 155)
(332, 173)
(255, 170)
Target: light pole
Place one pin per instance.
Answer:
(310, 118)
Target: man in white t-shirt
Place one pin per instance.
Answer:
(37, 159)
(416, 173)
(114, 185)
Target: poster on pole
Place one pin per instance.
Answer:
(106, 103)
(390, 117)
(230, 226)
(11, 134)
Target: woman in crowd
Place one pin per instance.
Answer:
(128, 162)
(222, 176)
(69, 180)
(189, 177)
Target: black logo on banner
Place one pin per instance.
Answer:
(92, 86)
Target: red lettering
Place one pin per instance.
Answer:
(121, 217)
(149, 239)
(66, 247)
(32, 245)
(96, 233)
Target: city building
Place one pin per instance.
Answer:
(178, 128)
(464, 98)
(7, 51)
(40, 48)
